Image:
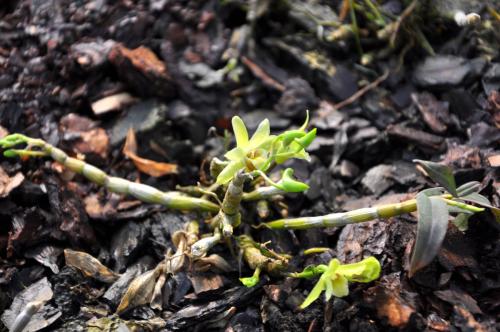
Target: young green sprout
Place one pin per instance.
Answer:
(334, 279)
(263, 150)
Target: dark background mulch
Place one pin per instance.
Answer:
(58, 57)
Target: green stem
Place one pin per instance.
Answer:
(145, 193)
(202, 246)
(464, 206)
(375, 11)
(229, 214)
(355, 27)
(262, 193)
(360, 215)
(316, 250)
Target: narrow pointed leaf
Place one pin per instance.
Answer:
(431, 229)
(314, 294)
(468, 188)
(441, 174)
(240, 131)
(307, 139)
(328, 288)
(289, 184)
(462, 221)
(89, 266)
(478, 199)
(229, 171)
(235, 154)
(483, 201)
(261, 134)
(457, 209)
(306, 122)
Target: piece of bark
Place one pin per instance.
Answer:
(417, 137)
(434, 112)
(141, 69)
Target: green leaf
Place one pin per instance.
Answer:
(235, 154)
(288, 184)
(229, 171)
(290, 135)
(458, 209)
(483, 201)
(328, 286)
(261, 135)
(253, 280)
(307, 139)
(10, 154)
(478, 199)
(310, 271)
(340, 286)
(366, 270)
(314, 294)
(468, 188)
(441, 174)
(306, 122)
(431, 230)
(462, 221)
(240, 132)
(250, 281)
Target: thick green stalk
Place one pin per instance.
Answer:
(117, 185)
(361, 215)
(202, 246)
(229, 214)
(256, 258)
(344, 218)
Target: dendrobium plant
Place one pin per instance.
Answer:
(248, 166)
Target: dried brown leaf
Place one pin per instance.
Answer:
(391, 301)
(92, 139)
(212, 261)
(494, 160)
(140, 290)
(89, 266)
(8, 183)
(146, 166)
(157, 298)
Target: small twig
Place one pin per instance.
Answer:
(260, 73)
(344, 9)
(408, 10)
(358, 94)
